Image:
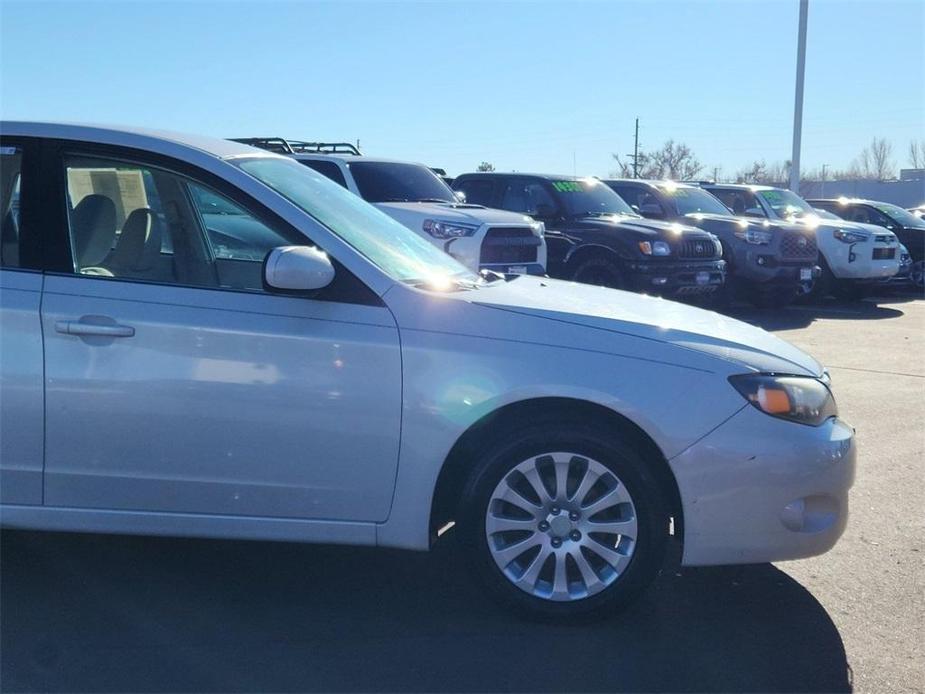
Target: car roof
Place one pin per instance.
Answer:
(524, 174)
(653, 182)
(846, 200)
(739, 186)
(351, 158)
(129, 136)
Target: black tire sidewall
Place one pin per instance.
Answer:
(612, 451)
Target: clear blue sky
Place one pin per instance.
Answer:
(525, 85)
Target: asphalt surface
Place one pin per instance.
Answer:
(108, 613)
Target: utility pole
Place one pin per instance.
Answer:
(716, 174)
(635, 155)
(822, 193)
(798, 99)
(636, 152)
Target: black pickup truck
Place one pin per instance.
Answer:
(593, 236)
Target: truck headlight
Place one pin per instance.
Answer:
(654, 248)
(800, 399)
(756, 236)
(442, 229)
(539, 228)
(850, 236)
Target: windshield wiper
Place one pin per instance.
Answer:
(435, 200)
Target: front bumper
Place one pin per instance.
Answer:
(856, 261)
(497, 249)
(760, 489)
(669, 278)
(763, 267)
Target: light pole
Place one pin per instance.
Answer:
(798, 99)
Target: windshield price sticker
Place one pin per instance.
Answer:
(567, 186)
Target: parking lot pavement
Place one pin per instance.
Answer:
(81, 612)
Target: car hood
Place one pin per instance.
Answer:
(640, 225)
(649, 318)
(456, 212)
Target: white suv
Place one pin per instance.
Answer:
(854, 257)
(412, 194)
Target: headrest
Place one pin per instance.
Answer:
(93, 229)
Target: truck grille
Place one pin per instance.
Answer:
(884, 253)
(509, 245)
(797, 246)
(699, 248)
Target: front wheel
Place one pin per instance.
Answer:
(564, 522)
(917, 274)
(601, 272)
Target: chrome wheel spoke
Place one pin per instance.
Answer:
(560, 578)
(509, 553)
(562, 468)
(532, 475)
(507, 493)
(608, 554)
(591, 580)
(623, 527)
(532, 572)
(588, 481)
(499, 524)
(615, 496)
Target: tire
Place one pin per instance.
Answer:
(917, 274)
(619, 571)
(601, 272)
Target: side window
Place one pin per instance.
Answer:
(141, 222)
(858, 213)
(326, 168)
(630, 195)
(478, 191)
(10, 170)
(876, 217)
(526, 196)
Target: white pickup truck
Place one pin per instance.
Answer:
(412, 194)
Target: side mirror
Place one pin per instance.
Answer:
(545, 210)
(297, 269)
(461, 196)
(652, 211)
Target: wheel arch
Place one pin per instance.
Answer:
(585, 251)
(454, 472)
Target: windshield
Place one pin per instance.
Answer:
(691, 200)
(395, 249)
(900, 216)
(785, 204)
(589, 196)
(396, 182)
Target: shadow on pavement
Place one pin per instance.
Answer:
(107, 613)
(802, 315)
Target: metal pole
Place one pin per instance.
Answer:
(822, 192)
(636, 153)
(798, 99)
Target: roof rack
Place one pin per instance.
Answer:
(282, 146)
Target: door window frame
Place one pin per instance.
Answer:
(57, 257)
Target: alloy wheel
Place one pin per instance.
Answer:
(561, 526)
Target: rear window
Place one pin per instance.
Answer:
(328, 169)
(478, 192)
(398, 182)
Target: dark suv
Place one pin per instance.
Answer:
(909, 229)
(769, 262)
(593, 237)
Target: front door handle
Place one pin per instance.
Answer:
(76, 327)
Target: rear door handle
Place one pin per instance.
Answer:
(76, 327)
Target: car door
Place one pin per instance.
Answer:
(21, 387)
(176, 383)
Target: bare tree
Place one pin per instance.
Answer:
(674, 160)
(762, 172)
(875, 161)
(486, 166)
(917, 154)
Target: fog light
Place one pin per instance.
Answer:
(761, 260)
(659, 280)
(811, 514)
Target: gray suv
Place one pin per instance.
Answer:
(767, 262)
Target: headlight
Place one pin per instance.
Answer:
(800, 399)
(440, 229)
(850, 236)
(656, 248)
(539, 228)
(756, 236)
